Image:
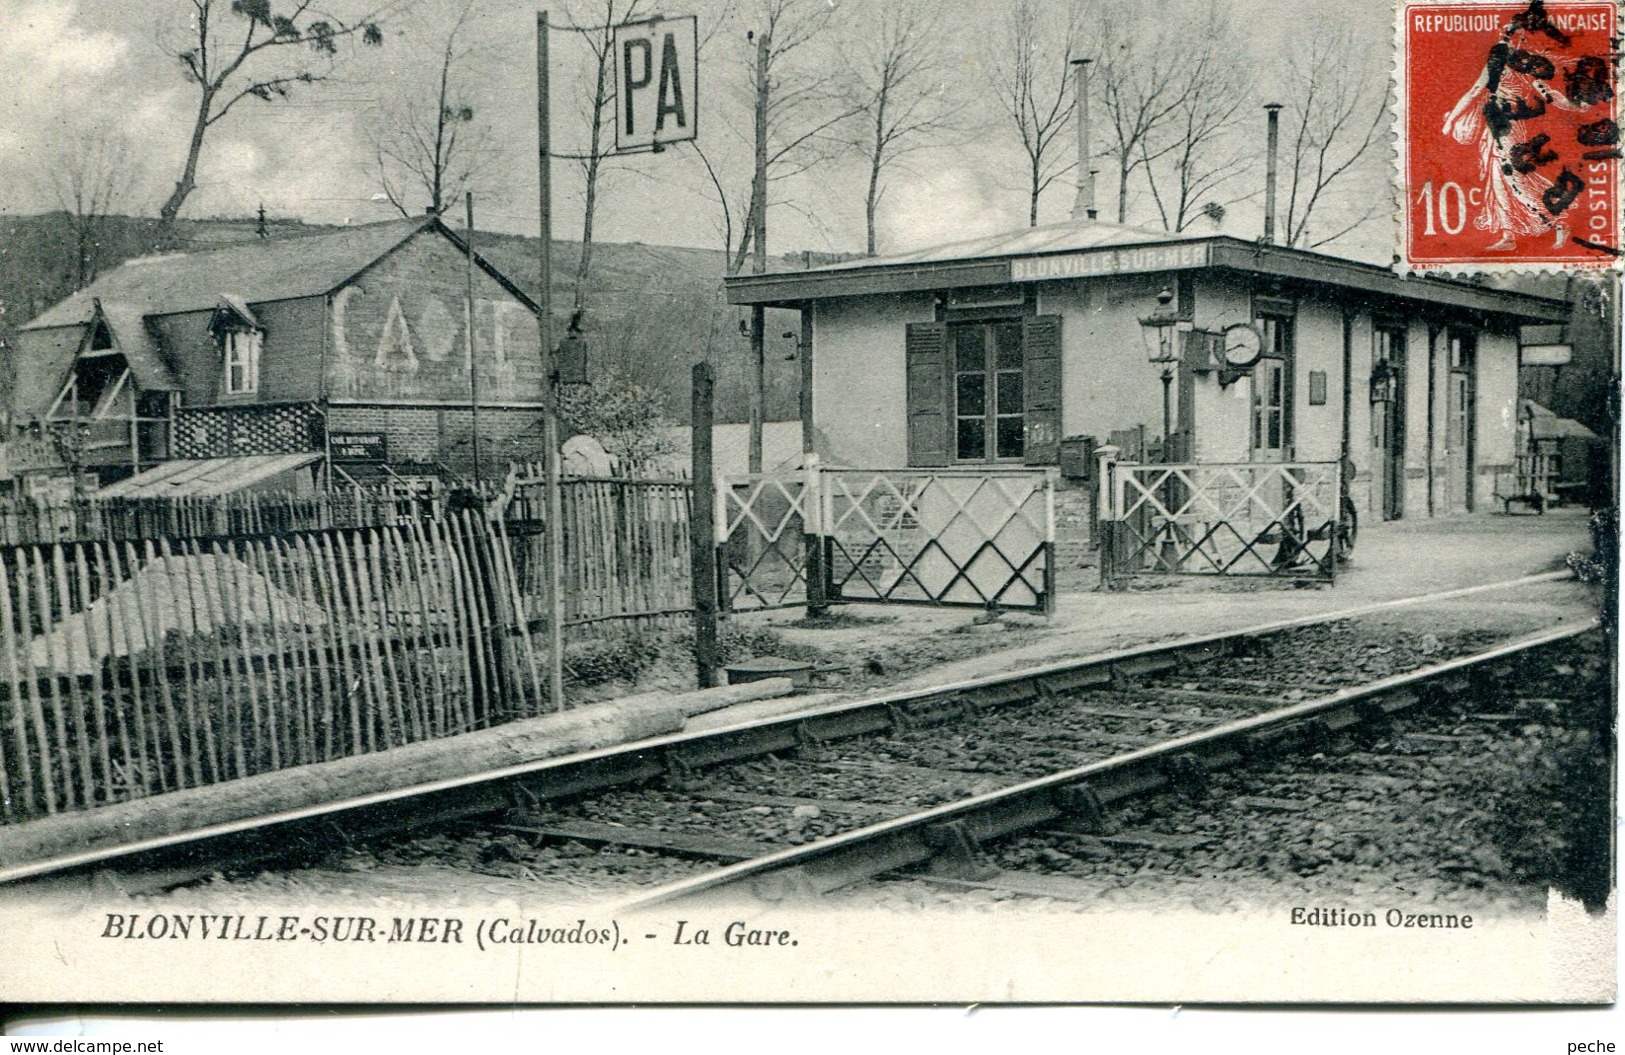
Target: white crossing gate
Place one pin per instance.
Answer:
(821, 536)
(1279, 519)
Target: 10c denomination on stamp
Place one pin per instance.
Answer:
(1509, 143)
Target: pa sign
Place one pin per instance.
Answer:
(657, 79)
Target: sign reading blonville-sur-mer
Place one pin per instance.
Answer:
(1109, 262)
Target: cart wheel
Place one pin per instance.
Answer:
(1347, 531)
(1290, 548)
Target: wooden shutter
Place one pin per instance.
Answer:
(1041, 362)
(926, 355)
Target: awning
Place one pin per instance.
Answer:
(190, 477)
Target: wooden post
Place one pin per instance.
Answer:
(554, 539)
(468, 325)
(758, 221)
(813, 536)
(703, 531)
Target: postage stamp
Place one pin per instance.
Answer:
(1509, 149)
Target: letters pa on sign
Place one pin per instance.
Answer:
(657, 73)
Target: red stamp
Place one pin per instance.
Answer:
(1509, 135)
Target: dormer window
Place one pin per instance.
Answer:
(242, 361)
(240, 336)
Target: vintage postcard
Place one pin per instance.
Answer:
(965, 505)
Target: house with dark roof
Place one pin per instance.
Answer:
(998, 349)
(339, 354)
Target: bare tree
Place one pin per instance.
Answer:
(1333, 116)
(599, 20)
(1192, 155)
(800, 110)
(247, 49)
(434, 146)
(1031, 79)
(91, 179)
(1142, 89)
(901, 94)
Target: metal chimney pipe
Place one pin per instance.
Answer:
(1274, 111)
(1084, 206)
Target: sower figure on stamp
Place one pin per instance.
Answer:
(1526, 73)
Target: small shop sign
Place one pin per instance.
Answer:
(359, 446)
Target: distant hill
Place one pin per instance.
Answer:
(652, 311)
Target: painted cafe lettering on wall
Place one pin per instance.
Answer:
(1109, 262)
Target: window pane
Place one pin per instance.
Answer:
(1010, 437)
(970, 351)
(972, 390)
(1010, 392)
(972, 439)
(1275, 429)
(1008, 355)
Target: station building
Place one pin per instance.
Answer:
(1021, 348)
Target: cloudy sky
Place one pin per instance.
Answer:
(72, 71)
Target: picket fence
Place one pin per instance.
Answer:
(25, 520)
(626, 553)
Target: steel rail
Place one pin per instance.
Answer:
(677, 753)
(839, 860)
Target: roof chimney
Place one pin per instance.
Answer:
(1274, 111)
(1084, 206)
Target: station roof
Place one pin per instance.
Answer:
(1082, 249)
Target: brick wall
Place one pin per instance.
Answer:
(444, 435)
(1075, 557)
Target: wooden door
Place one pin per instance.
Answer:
(1388, 421)
(1459, 400)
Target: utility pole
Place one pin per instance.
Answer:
(468, 326)
(758, 220)
(550, 411)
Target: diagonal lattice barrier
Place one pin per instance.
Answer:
(912, 536)
(1281, 519)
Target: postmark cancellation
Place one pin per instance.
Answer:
(1508, 135)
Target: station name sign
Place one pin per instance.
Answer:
(1109, 262)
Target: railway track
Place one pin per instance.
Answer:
(948, 842)
(818, 801)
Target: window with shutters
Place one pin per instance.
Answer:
(987, 393)
(984, 391)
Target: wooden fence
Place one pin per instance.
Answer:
(130, 669)
(27, 521)
(626, 552)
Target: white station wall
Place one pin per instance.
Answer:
(1107, 380)
(860, 398)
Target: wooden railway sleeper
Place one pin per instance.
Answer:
(810, 746)
(1374, 724)
(679, 774)
(957, 853)
(1082, 811)
(521, 798)
(1187, 773)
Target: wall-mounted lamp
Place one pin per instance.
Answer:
(1162, 332)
